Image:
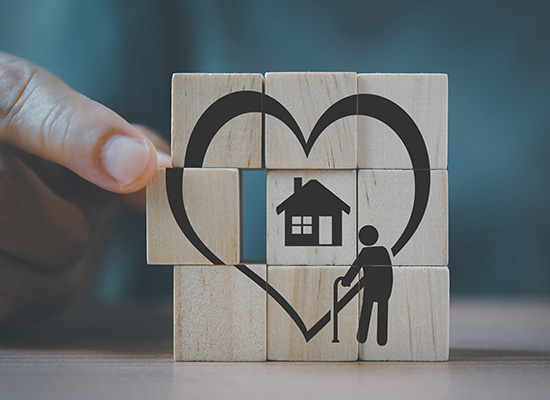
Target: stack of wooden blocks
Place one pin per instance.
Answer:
(357, 173)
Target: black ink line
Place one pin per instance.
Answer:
(403, 125)
(174, 180)
(237, 103)
(325, 319)
(391, 114)
(174, 190)
(225, 109)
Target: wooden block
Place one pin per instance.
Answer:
(238, 144)
(211, 198)
(311, 217)
(424, 98)
(418, 318)
(310, 292)
(219, 314)
(307, 96)
(385, 201)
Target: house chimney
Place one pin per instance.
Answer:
(297, 184)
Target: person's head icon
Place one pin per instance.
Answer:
(368, 235)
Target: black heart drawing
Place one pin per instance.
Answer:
(242, 102)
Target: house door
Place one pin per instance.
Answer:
(325, 230)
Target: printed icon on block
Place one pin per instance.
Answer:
(307, 96)
(341, 243)
(418, 317)
(309, 290)
(210, 205)
(376, 266)
(238, 143)
(424, 99)
(311, 217)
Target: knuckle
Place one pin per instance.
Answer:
(16, 85)
(54, 140)
(4, 170)
(8, 168)
(29, 98)
(36, 224)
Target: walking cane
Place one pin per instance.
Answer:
(334, 312)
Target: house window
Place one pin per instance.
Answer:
(302, 225)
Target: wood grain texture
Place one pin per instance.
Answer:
(385, 200)
(309, 290)
(211, 198)
(418, 318)
(307, 96)
(280, 186)
(238, 144)
(424, 97)
(219, 314)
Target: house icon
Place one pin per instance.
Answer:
(313, 215)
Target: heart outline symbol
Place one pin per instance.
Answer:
(242, 102)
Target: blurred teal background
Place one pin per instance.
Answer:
(122, 54)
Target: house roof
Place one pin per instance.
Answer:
(313, 197)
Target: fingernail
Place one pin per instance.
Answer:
(125, 158)
(163, 160)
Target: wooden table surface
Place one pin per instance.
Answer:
(498, 350)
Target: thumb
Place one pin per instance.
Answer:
(41, 115)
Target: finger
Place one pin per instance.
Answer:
(37, 225)
(41, 115)
(28, 295)
(136, 200)
(160, 143)
(65, 183)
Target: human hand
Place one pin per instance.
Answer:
(62, 156)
